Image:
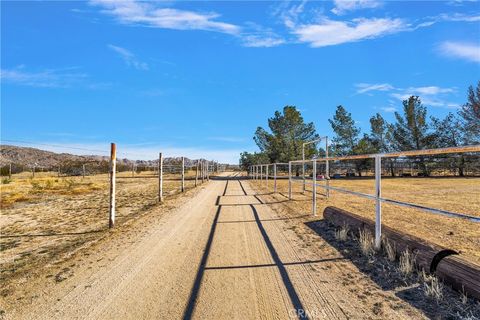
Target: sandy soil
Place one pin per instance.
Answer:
(227, 252)
(52, 216)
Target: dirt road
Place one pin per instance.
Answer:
(223, 254)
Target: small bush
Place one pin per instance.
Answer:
(6, 181)
(366, 242)
(70, 183)
(49, 184)
(407, 262)
(36, 185)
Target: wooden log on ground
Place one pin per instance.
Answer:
(462, 275)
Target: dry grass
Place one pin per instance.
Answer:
(406, 263)
(389, 249)
(432, 287)
(365, 239)
(50, 215)
(455, 194)
(342, 233)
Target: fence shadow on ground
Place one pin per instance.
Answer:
(6, 236)
(383, 272)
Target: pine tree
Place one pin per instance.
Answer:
(346, 133)
(288, 131)
(411, 131)
(470, 115)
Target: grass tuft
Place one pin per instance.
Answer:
(366, 242)
(407, 262)
(389, 249)
(342, 233)
(432, 287)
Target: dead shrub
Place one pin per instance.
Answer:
(407, 262)
(342, 233)
(432, 287)
(389, 249)
(366, 242)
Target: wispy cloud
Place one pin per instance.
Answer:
(366, 87)
(262, 40)
(48, 78)
(227, 139)
(461, 50)
(330, 32)
(344, 6)
(129, 58)
(430, 95)
(154, 15)
(389, 109)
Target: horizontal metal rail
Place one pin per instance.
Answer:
(400, 203)
(465, 149)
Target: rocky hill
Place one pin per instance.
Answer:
(29, 157)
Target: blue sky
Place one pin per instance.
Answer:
(197, 78)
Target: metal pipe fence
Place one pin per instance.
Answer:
(377, 196)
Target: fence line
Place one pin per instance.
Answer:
(378, 181)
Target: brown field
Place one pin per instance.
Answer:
(460, 195)
(48, 215)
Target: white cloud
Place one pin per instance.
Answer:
(466, 51)
(430, 90)
(366, 87)
(129, 58)
(258, 40)
(389, 109)
(343, 6)
(153, 15)
(329, 32)
(49, 78)
(430, 95)
(458, 17)
(227, 139)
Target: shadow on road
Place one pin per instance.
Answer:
(295, 299)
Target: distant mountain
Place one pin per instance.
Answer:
(32, 157)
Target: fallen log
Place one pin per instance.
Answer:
(441, 261)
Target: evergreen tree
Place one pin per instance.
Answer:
(470, 115)
(381, 136)
(410, 132)
(346, 133)
(288, 131)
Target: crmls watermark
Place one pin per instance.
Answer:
(304, 313)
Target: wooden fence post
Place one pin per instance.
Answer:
(83, 171)
(10, 172)
(196, 174)
(160, 177)
(314, 188)
(183, 174)
(113, 169)
(289, 180)
(208, 170)
(33, 172)
(266, 175)
(203, 171)
(275, 177)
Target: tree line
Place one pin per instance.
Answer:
(412, 129)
